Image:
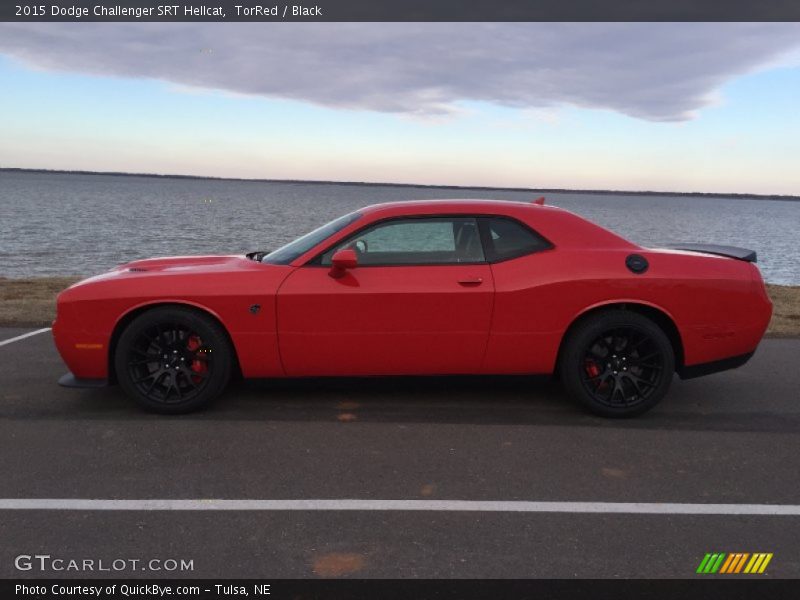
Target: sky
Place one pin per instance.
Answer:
(709, 107)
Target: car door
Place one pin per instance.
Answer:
(418, 302)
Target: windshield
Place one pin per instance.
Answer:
(286, 254)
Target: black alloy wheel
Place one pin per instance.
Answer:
(618, 363)
(173, 360)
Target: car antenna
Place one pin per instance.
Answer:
(539, 201)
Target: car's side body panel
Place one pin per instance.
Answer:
(385, 320)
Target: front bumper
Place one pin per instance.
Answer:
(85, 354)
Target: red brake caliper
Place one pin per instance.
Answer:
(592, 370)
(198, 366)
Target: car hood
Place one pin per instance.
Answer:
(184, 263)
(174, 265)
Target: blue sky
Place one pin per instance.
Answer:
(726, 130)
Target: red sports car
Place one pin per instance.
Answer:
(421, 288)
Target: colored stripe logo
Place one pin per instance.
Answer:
(734, 563)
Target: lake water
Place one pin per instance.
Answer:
(61, 224)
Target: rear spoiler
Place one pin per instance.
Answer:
(729, 251)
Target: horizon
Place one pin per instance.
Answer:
(412, 185)
(707, 107)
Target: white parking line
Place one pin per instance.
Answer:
(642, 508)
(23, 336)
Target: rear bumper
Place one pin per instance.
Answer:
(69, 380)
(714, 367)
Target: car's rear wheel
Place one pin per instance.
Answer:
(173, 360)
(617, 363)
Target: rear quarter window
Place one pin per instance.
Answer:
(507, 238)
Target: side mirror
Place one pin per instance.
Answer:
(341, 261)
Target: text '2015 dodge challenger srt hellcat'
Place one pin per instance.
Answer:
(440, 287)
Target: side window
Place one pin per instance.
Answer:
(416, 241)
(509, 238)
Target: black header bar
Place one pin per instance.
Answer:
(399, 10)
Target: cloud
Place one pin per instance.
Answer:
(652, 71)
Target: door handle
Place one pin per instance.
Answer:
(471, 281)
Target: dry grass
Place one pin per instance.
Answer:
(31, 302)
(785, 311)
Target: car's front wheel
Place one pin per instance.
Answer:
(173, 360)
(617, 363)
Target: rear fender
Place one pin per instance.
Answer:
(658, 314)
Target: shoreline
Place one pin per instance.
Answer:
(532, 190)
(30, 302)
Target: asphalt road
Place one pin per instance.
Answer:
(728, 438)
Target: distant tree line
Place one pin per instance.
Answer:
(417, 185)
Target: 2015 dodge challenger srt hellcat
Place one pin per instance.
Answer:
(421, 288)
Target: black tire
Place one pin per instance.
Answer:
(173, 360)
(617, 363)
